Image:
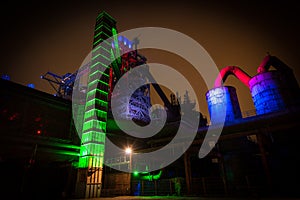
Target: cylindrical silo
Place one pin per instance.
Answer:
(274, 91)
(223, 104)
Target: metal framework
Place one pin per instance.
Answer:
(63, 85)
(139, 101)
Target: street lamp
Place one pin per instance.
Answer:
(128, 151)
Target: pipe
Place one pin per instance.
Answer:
(272, 61)
(150, 177)
(232, 70)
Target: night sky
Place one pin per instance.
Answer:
(41, 36)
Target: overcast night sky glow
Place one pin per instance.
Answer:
(56, 36)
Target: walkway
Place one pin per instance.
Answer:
(185, 198)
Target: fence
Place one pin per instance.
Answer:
(205, 186)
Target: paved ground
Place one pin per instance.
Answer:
(186, 198)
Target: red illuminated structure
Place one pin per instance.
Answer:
(271, 90)
(125, 57)
(232, 70)
(265, 65)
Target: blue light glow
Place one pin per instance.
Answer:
(223, 100)
(5, 77)
(31, 85)
(267, 90)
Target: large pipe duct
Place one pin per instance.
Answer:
(272, 61)
(232, 70)
(222, 100)
(271, 90)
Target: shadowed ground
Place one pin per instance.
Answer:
(187, 198)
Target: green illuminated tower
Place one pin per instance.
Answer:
(89, 179)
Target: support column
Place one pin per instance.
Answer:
(188, 174)
(264, 159)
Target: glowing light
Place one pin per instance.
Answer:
(147, 176)
(31, 85)
(5, 77)
(128, 150)
(95, 116)
(135, 173)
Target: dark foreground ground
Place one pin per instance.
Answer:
(186, 198)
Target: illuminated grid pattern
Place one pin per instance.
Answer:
(96, 108)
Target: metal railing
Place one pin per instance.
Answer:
(205, 187)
